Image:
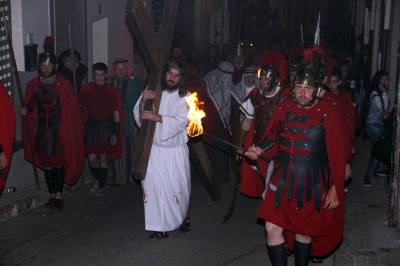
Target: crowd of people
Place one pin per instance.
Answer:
(292, 110)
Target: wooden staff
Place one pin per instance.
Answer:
(17, 81)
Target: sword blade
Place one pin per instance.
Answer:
(238, 149)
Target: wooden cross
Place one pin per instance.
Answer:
(155, 47)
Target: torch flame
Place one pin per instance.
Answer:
(194, 127)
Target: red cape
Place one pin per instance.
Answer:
(346, 104)
(7, 130)
(346, 112)
(85, 96)
(71, 129)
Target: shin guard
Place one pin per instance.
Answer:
(301, 253)
(51, 176)
(277, 255)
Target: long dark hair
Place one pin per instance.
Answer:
(373, 86)
(181, 67)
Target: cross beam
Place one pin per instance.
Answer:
(155, 47)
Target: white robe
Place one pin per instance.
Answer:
(166, 187)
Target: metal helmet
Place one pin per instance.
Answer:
(46, 58)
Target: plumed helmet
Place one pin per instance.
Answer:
(274, 66)
(319, 62)
(47, 57)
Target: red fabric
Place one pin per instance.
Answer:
(7, 130)
(71, 129)
(252, 183)
(311, 54)
(325, 227)
(346, 113)
(349, 110)
(99, 103)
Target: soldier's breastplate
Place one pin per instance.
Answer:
(263, 111)
(302, 144)
(48, 107)
(303, 161)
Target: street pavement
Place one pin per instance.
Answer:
(110, 231)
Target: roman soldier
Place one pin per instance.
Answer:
(271, 73)
(7, 134)
(52, 129)
(340, 101)
(303, 207)
(103, 138)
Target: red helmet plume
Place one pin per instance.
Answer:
(276, 60)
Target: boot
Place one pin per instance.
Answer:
(59, 203)
(50, 176)
(60, 179)
(277, 255)
(301, 253)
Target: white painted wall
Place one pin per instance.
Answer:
(35, 20)
(100, 40)
(29, 17)
(120, 43)
(17, 33)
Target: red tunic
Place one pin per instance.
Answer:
(252, 175)
(324, 226)
(7, 130)
(70, 129)
(100, 103)
(346, 105)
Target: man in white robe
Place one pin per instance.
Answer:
(166, 187)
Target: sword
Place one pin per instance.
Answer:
(239, 150)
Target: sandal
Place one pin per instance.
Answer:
(158, 235)
(100, 192)
(185, 226)
(50, 203)
(317, 260)
(94, 189)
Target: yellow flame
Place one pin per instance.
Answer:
(259, 73)
(194, 127)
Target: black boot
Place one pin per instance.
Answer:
(277, 255)
(60, 180)
(50, 177)
(301, 253)
(58, 202)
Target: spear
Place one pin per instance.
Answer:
(72, 58)
(301, 35)
(317, 30)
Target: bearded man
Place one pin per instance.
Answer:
(166, 187)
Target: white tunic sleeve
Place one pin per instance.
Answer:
(249, 108)
(136, 112)
(175, 124)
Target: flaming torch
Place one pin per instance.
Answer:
(194, 127)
